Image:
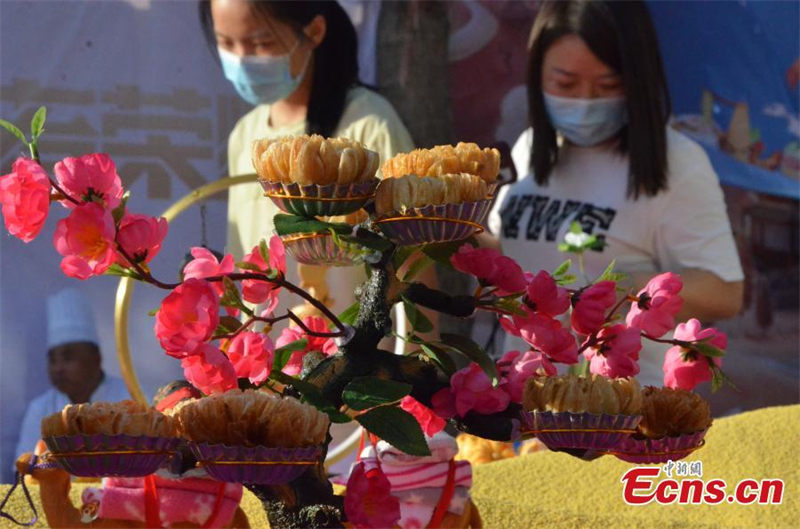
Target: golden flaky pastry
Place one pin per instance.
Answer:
(109, 418)
(252, 418)
(405, 192)
(313, 160)
(593, 394)
(669, 412)
(446, 159)
(477, 450)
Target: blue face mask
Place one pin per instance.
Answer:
(586, 122)
(260, 79)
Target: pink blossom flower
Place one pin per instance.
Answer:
(547, 335)
(473, 390)
(507, 276)
(259, 291)
(516, 368)
(478, 262)
(90, 178)
(369, 501)
(290, 334)
(141, 237)
(543, 295)
(187, 318)
(686, 369)
(490, 267)
(205, 264)
(617, 354)
(251, 355)
(658, 304)
(25, 197)
(430, 422)
(209, 370)
(444, 404)
(86, 240)
(589, 306)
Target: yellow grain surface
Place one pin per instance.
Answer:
(554, 490)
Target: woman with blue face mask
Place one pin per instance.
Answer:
(599, 151)
(296, 63)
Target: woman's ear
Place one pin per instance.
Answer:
(316, 29)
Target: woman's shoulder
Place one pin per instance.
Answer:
(681, 149)
(687, 160)
(247, 126)
(365, 104)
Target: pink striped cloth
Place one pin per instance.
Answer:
(180, 500)
(418, 482)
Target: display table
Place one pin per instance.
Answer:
(551, 489)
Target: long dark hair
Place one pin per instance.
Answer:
(335, 58)
(621, 35)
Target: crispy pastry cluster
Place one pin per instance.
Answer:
(669, 412)
(593, 394)
(410, 191)
(446, 159)
(252, 418)
(313, 160)
(109, 418)
(477, 450)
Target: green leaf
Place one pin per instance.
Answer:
(569, 248)
(562, 268)
(717, 380)
(282, 354)
(608, 271)
(411, 338)
(230, 323)
(397, 427)
(13, 129)
(367, 239)
(120, 271)
(118, 212)
(227, 325)
(244, 265)
(596, 243)
(363, 393)
(348, 317)
(706, 349)
(37, 123)
(311, 394)
(416, 318)
(473, 351)
(442, 251)
(575, 227)
(263, 249)
(567, 279)
(401, 255)
(230, 297)
(510, 305)
(422, 262)
(440, 356)
(152, 312)
(289, 224)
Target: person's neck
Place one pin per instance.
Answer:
(86, 394)
(294, 108)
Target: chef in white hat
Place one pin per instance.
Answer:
(73, 364)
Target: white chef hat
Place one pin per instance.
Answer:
(69, 319)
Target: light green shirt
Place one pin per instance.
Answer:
(368, 118)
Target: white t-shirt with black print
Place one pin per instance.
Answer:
(685, 226)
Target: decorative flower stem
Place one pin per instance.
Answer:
(55, 185)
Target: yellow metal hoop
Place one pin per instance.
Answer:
(125, 287)
(123, 301)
